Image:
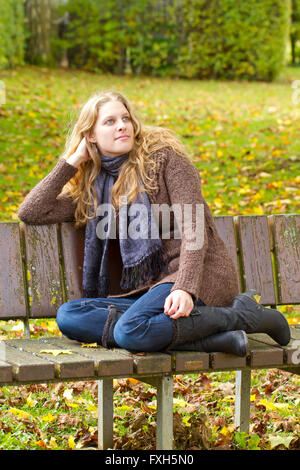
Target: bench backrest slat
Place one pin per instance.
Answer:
(226, 230)
(256, 256)
(286, 232)
(73, 247)
(12, 288)
(44, 282)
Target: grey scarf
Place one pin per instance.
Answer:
(142, 257)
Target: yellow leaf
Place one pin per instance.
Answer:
(124, 408)
(225, 431)
(30, 401)
(48, 418)
(133, 381)
(55, 352)
(71, 405)
(269, 405)
(257, 298)
(252, 397)
(71, 442)
(52, 443)
(185, 420)
(89, 345)
(20, 413)
(258, 210)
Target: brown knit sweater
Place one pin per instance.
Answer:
(208, 273)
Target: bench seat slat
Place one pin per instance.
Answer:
(264, 355)
(189, 361)
(147, 363)
(288, 351)
(108, 362)
(27, 367)
(6, 372)
(66, 365)
(227, 361)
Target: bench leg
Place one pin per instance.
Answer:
(242, 400)
(164, 429)
(105, 414)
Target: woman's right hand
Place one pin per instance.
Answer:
(80, 155)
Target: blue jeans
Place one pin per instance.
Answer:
(143, 326)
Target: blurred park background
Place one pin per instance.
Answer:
(225, 76)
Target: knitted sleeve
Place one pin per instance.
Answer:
(43, 204)
(184, 189)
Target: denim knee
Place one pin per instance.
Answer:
(62, 319)
(124, 335)
(144, 335)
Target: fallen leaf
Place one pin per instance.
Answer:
(55, 352)
(20, 413)
(280, 440)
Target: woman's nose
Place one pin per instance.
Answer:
(120, 124)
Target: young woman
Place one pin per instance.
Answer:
(142, 291)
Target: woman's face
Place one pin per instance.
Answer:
(113, 132)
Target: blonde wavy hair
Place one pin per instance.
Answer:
(134, 175)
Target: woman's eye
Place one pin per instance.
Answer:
(126, 118)
(109, 121)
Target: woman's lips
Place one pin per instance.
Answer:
(122, 137)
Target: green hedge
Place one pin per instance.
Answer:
(116, 36)
(11, 32)
(230, 39)
(235, 39)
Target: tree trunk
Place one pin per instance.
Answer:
(39, 21)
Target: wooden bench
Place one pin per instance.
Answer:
(41, 268)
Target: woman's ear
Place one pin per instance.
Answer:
(91, 138)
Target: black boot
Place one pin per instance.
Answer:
(254, 318)
(108, 340)
(245, 314)
(232, 342)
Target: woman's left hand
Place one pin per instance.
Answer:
(178, 304)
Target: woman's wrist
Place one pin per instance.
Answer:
(75, 160)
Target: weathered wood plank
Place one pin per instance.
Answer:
(289, 351)
(73, 249)
(12, 287)
(108, 362)
(242, 400)
(164, 429)
(286, 232)
(189, 361)
(264, 355)
(225, 228)
(66, 365)
(227, 361)
(105, 414)
(147, 363)
(256, 256)
(44, 285)
(6, 372)
(27, 367)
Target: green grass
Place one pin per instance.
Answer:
(243, 138)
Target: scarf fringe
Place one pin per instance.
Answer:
(151, 266)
